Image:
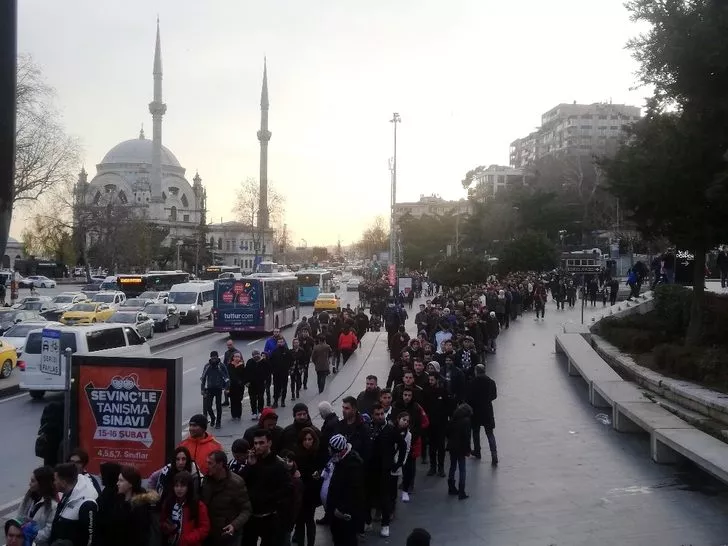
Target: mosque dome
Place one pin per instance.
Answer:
(137, 151)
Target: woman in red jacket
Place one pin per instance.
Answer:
(184, 520)
(347, 343)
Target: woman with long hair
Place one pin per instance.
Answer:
(139, 508)
(39, 503)
(184, 520)
(310, 462)
(162, 480)
(109, 503)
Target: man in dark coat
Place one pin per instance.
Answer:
(353, 428)
(343, 493)
(436, 405)
(458, 444)
(281, 360)
(480, 395)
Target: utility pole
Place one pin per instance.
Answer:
(392, 237)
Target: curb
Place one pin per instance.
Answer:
(187, 336)
(10, 390)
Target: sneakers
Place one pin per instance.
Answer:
(405, 496)
(384, 531)
(254, 417)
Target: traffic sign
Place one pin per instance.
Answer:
(50, 354)
(583, 268)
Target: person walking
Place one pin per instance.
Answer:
(238, 379)
(481, 393)
(281, 360)
(310, 464)
(298, 365)
(214, 380)
(139, 511)
(342, 492)
(228, 504)
(437, 407)
(458, 444)
(227, 358)
(39, 503)
(256, 371)
(321, 357)
(200, 443)
(184, 520)
(348, 343)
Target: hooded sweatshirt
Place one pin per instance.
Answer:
(215, 375)
(200, 449)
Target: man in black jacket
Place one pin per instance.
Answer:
(353, 428)
(75, 518)
(467, 358)
(270, 489)
(227, 358)
(481, 393)
(342, 492)
(281, 361)
(369, 396)
(436, 406)
(301, 420)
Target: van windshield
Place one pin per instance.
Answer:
(33, 343)
(184, 298)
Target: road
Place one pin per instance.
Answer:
(23, 414)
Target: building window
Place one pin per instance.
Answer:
(613, 117)
(186, 218)
(122, 198)
(614, 127)
(219, 243)
(227, 246)
(602, 117)
(173, 190)
(586, 126)
(173, 214)
(587, 116)
(184, 201)
(212, 242)
(164, 196)
(235, 261)
(97, 198)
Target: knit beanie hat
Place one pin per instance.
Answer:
(199, 420)
(337, 442)
(435, 366)
(299, 407)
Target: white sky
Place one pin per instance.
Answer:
(467, 77)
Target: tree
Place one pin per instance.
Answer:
(527, 252)
(374, 239)
(455, 271)
(471, 175)
(247, 209)
(671, 176)
(45, 238)
(425, 239)
(45, 156)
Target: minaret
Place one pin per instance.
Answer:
(263, 136)
(157, 108)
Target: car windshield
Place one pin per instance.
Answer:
(33, 306)
(21, 330)
(91, 287)
(84, 308)
(103, 298)
(134, 302)
(182, 297)
(63, 299)
(327, 296)
(129, 318)
(149, 295)
(156, 309)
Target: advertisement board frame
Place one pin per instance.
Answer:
(122, 366)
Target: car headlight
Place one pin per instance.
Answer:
(193, 307)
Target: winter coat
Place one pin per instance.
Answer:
(256, 373)
(193, 532)
(289, 439)
(328, 429)
(200, 448)
(281, 360)
(139, 521)
(346, 491)
(42, 514)
(437, 406)
(308, 462)
(357, 434)
(320, 357)
(269, 485)
(214, 375)
(276, 432)
(161, 480)
(366, 400)
(348, 341)
(75, 518)
(227, 503)
(480, 395)
(459, 432)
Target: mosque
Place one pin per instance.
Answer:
(142, 172)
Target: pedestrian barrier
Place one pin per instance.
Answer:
(584, 361)
(671, 438)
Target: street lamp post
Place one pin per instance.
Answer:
(393, 199)
(179, 245)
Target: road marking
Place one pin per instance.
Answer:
(14, 397)
(255, 341)
(189, 342)
(189, 371)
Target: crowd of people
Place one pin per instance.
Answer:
(434, 404)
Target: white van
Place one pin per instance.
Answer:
(193, 300)
(96, 339)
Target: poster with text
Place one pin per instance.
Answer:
(122, 415)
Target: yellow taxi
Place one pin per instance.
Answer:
(87, 313)
(8, 359)
(327, 302)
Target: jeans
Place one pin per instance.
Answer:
(346, 354)
(321, 380)
(437, 449)
(255, 392)
(305, 376)
(305, 525)
(408, 473)
(295, 385)
(236, 401)
(388, 497)
(207, 404)
(540, 308)
(280, 389)
(459, 462)
(266, 528)
(475, 426)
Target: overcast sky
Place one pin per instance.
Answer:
(467, 77)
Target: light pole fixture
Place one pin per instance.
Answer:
(396, 118)
(179, 245)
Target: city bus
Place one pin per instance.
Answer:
(214, 272)
(133, 285)
(255, 303)
(311, 282)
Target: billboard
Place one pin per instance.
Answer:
(405, 285)
(391, 274)
(126, 410)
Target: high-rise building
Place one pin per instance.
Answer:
(575, 129)
(495, 178)
(430, 205)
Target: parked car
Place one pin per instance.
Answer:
(156, 297)
(39, 281)
(10, 317)
(352, 286)
(18, 333)
(134, 304)
(141, 321)
(28, 299)
(164, 316)
(87, 313)
(8, 359)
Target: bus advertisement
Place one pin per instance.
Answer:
(159, 281)
(311, 282)
(255, 303)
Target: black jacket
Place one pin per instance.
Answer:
(269, 485)
(139, 520)
(366, 400)
(257, 372)
(386, 441)
(346, 489)
(358, 435)
(281, 360)
(481, 393)
(292, 431)
(437, 406)
(454, 380)
(459, 432)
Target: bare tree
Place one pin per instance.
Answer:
(375, 238)
(247, 209)
(45, 155)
